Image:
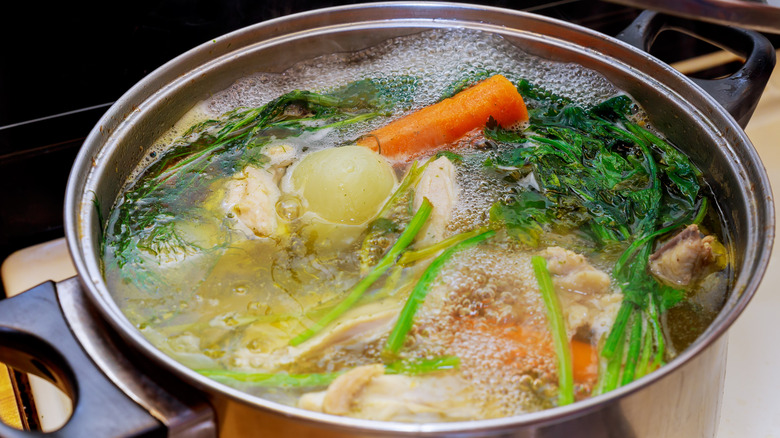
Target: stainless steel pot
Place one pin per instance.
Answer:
(682, 399)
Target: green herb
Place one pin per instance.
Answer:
(605, 179)
(525, 217)
(144, 225)
(398, 335)
(308, 380)
(609, 378)
(558, 331)
(452, 156)
(415, 225)
(632, 357)
(644, 360)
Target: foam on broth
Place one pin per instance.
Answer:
(233, 307)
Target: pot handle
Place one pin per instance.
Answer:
(35, 338)
(738, 93)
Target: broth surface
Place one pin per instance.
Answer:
(230, 290)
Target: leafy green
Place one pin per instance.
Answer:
(525, 217)
(602, 177)
(452, 156)
(144, 225)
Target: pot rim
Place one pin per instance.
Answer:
(80, 215)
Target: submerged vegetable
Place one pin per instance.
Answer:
(397, 336)
(415, 367)
(505, 272)
(613, 183)
(333, 183)
(384, 264)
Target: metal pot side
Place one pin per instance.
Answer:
(682, 399)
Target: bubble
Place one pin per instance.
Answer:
(289, 207)
(426, 66)
(214, 353)
(258, 307)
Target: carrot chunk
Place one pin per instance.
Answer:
(584, 360)
(525, 346)
(449, 120)
(584, 356)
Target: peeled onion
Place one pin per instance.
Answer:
(345, 185)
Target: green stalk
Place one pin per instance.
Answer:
(614, 340)
(284, 380)
(702, 211)
(406, 238)
(410, 257)
(598, 388)
(349, 121)
(281, 380)
(558, 330)
(634, 345)
(659, 335)
(407, 184)
(612, 375)
(398, 335)
(647, 349)
(603, 234)
(409, 181)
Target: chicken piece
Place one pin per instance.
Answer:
(583, 290)
(437, 184)
(346, 388)
(280, 157)
(367, 393)
(360, 326)
(251, 198)
(685, 258)
(572, 271)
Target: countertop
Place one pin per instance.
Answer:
(750, 404)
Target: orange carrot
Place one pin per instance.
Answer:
(449, 120)
(584, 361)
(584, 358)
(527, 344)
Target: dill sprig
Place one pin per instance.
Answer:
(410, 367)
(144, 224)
(610, 181)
